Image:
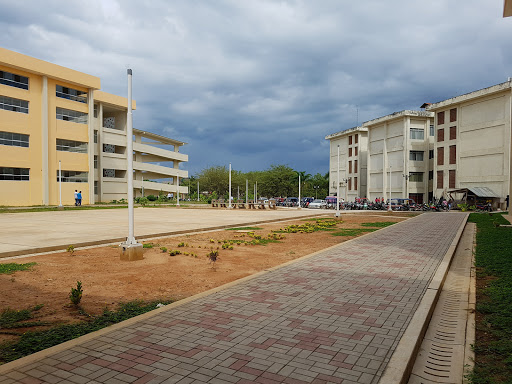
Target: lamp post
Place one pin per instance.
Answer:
(389, 202)
(198, 191)
(246, 191)
(406, 177)
(345, 182)
(60, 185)
(229, 194)
(338, 187)
(315, 187)
(298, 207)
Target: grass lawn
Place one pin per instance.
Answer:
(493, 348)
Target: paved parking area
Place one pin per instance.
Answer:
(334, 317)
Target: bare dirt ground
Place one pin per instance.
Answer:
(108, 281)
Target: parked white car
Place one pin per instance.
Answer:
(317, 204)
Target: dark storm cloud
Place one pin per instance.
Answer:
(257, 83)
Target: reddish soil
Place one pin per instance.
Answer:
(108, 281)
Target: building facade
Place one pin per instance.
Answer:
(400, 155)
(472, 142)
(352, 144)
(55, 121)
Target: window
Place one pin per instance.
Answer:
(14, 139)
(95, 161)
(109, 148)
(350, 140)
(355, 151)
(350, 151)
(71, 94)
(431, 175)
(17, 174)
(73, 177)
(95, 136)
(453, 133)
(417, 134)
(12, 80)
(356, 138)
(73, 116)
(451, 179)
(440, 156)
(416, 177)
(349, 167)
(440, 179)
(15, 105)
(416, 155)
(431, 154)
(95, 187)
(432, 130)
(453, 115)
(355, 183)
(440, 118)
(95, 111)
(107, 172)
(440, 135)
(350, 184)
(71, 146)
(355, 166)
(453, 154)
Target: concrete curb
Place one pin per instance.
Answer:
(469, 353)
(63, 247)
(401, 363)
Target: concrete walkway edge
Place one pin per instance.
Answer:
(400, 365)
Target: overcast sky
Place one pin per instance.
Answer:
(263, 82)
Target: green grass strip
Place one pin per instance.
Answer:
(13, 267)
(31, 342)
(381, 224)
(493, 259)
(353, 231)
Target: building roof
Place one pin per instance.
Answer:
(114, 100)
(346, 132)
(477, 191)
(396, 115)
(161, 139)
(471, 95)
(30, 64)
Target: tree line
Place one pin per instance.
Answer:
(276, 181)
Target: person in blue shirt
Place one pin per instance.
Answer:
(79, 198)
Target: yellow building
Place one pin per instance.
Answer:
(51, 116)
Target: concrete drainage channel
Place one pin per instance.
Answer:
(445, 355)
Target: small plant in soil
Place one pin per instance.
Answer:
(213, 256)
(76, 294)
(163, 249)
(173, 252)
(181, 245)
(71, 249)
(147, 245)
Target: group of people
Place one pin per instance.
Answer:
(78, 198)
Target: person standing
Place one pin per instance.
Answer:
(79, 198)
(76, 197)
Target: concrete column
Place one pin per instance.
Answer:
(90, 150)
(406, 146)
(100, 154)
(385, 164)
(44, 140)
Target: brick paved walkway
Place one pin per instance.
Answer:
(334, 317)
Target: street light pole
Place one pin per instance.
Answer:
(389, 203)
(338, 187)
(60, 185)
(229, 195)
(299, 193)
(198, 191)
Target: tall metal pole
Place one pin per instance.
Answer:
(229, 195)
(178, 191)
(129, 150)
(338, 187)
(299, 191)
(238, 193)
(246, 191)
(198, 191)
(60, 185)
(256, 193)
(389, 205)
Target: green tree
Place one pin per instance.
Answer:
(279, 180)
(214, 179)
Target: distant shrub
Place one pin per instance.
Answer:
(152, 198)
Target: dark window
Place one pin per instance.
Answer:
(356, 138)
(17, 174)
(96, 162)
(15, 105)
(95, 136)
(350, 140)
(453, 133)
(355, 151)
(95, 187)
(431, 175)
(453, 115)
(416, 155)
(73, 177)
(440, 156)
(350, 184)
(71, 146)
(12, 80)
(440, 135)
(440, 118)
(451, 179)
(432, 130)
(73, 116)
(417, 134)
(439, 179)
(355, 183)
(14, 139)
(453, 154)
(355, 166)
(349, 167)
(350, 152)
(416, 177)
(431, 154)
(71, 94)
